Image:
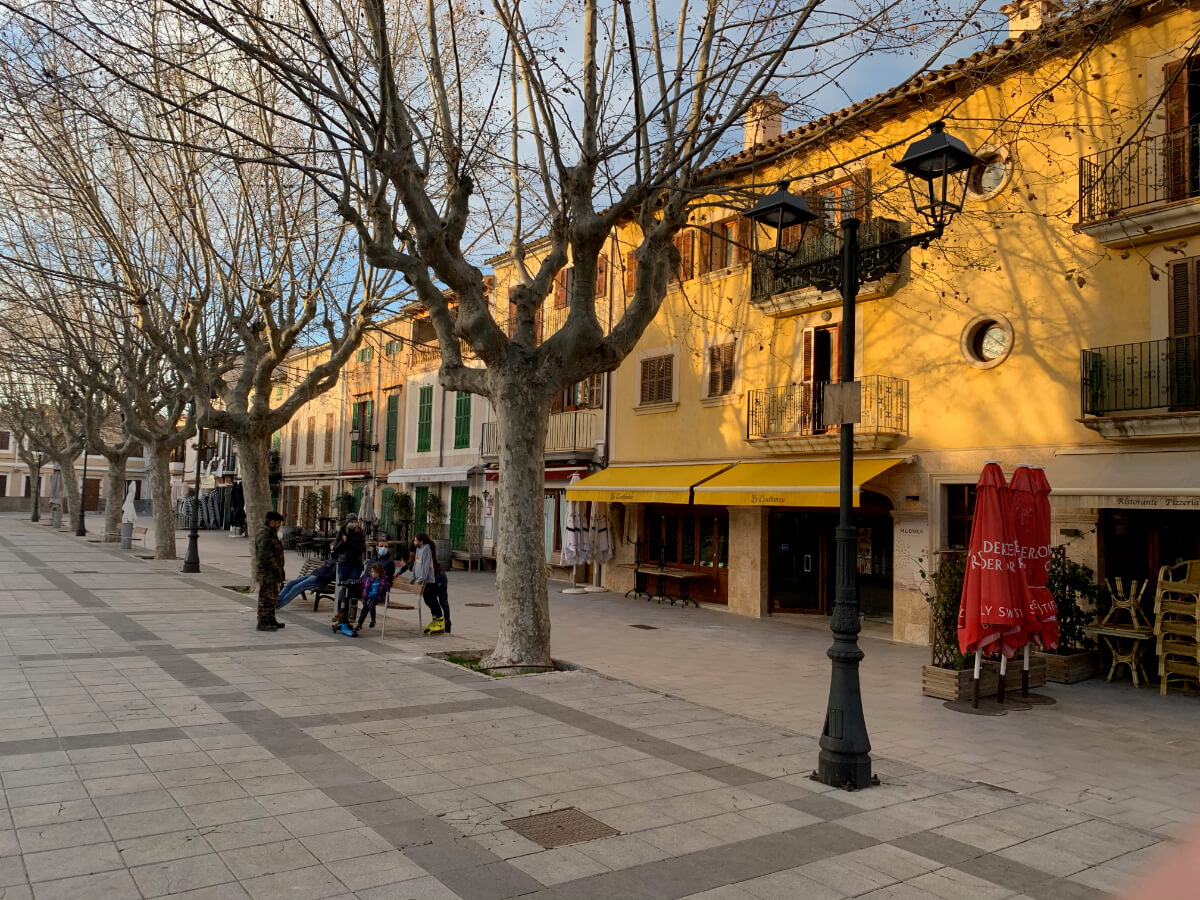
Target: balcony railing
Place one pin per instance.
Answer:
(795, 410)
(768, 278)
(1138, 175)
(1132, 377)
(572, 431)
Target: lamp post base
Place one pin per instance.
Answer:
(848, 771)
(191, 562)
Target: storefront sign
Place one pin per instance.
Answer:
(910, 554)
(1135, 502)
(767, 500)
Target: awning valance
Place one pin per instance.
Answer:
(432, 475)
(643, 484)
(787, 483)
(1126, 480)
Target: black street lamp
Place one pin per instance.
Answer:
(37, 484)
(931, 166)
(80, 529)
(191, 562)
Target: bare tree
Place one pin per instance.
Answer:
(41, 420)
(519, 135)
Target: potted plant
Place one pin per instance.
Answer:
(950, 672)
(345, 505)
(1077, 596)
(402, 516)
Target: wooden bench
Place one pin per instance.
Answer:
(324, 590)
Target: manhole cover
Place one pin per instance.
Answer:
(477, 604)
(645, 627)
(560, 827)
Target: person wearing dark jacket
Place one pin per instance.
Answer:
(319, 577)
(349, 550)
(268, 562)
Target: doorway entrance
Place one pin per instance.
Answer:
(802, 565)
(91, 494)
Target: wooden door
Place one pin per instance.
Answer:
(91, 494)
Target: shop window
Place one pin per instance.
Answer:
(960, 510)
(686, 539)
(657, 380)
(720, 369)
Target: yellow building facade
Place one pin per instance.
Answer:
(1056, 323)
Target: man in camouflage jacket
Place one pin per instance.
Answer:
(268, 561)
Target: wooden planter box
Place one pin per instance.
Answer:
(947, 684)
(1070, 668)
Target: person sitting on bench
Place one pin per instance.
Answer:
(297, 586)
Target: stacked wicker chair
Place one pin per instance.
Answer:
(1177, 623)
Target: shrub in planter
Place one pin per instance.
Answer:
(1078, 597)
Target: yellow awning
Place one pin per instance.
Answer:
(643, 484)
(786, 483)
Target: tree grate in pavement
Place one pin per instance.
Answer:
(560, 827)
(645, 627)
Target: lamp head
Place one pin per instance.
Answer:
(936, 167)
(781, 209)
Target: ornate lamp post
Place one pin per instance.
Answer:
(933, 166)
(40, 457)
(80, 529)
(191, 562)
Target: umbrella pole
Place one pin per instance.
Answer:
(1000, 683)
(975, 681)
(1025, 674)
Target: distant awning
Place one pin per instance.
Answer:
(551, 473)
(787, 483)
(1126, 480)
(434, 475)
(643, 484)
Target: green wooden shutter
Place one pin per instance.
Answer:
(425, 419)
(393, 422)
(420, 504)
(354, 427)
(459, 495)
(462, 421)
(368, 428)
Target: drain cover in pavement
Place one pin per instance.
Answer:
(560, 827)
(477, 604)
(645, 627)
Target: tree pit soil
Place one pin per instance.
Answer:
(472, 659)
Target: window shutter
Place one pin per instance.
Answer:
(293, 451)
(354, 427)
(1175, 80)
(512, 317)
(745, 237)
(328, 437)
(601, 275)
(630, 274)
(310, 448)
(835, 353)
(368, 427)
(425, 419)
(683, 243)
(657, 377)
(806, 378)
(462, 420)
(727, 368)
(537, 326)
(393, 424)
(708, 242)
(560, 289)
(1183, 300)
(714, 371)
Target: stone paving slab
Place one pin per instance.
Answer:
(230, 763)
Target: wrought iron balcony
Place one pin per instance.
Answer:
(569, 432)
(791, 267)
(1138, 176)
(1153, 375)
(790, 416)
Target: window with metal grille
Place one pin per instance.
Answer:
(328, 437)
(310, 444)
(425, 419)
(462, 421)
(657, 379)
(720, 370)
(393, 424)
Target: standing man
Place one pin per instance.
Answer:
(268, 559)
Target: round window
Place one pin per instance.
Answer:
(991, 175)
(987, 341)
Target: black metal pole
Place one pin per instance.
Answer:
(845, 757)
(37, 490)
(80, 529)
(191, 562)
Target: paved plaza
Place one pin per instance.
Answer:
(153, 743)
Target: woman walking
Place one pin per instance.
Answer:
(427, 572)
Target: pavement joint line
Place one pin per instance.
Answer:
(401, 822)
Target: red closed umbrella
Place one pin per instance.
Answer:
(1023, 519)
(1048, 611)
(991, 609)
